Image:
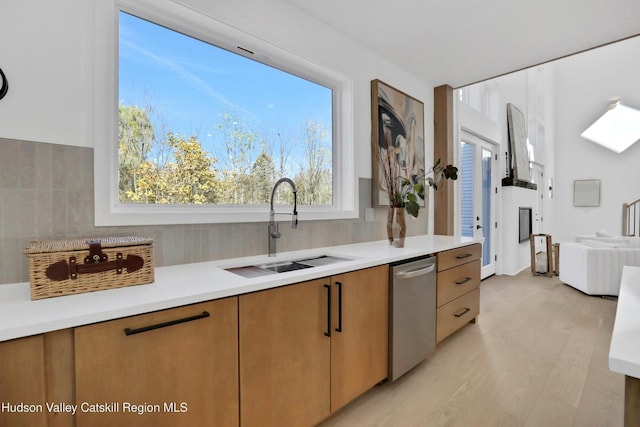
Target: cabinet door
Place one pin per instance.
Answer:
(360, 339)
(184, 372)
(22, 380)
(35, 371)
(284, 355)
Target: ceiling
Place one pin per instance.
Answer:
(459, 42)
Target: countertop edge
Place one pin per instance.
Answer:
(624, 350)
(187, 284)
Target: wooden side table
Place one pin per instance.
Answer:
(534, 269)
(556, 259)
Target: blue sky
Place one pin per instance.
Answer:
(191, 83)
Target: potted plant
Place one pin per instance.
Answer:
(405, 193)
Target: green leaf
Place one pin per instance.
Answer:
(412, 208)
(451, 172)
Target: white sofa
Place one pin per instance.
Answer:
(594, 265)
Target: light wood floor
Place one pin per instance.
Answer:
(538, 356)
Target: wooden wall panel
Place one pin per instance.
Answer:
(443, 150)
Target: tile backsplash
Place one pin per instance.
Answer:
(46, 192)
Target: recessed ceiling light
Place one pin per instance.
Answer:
(617, 129)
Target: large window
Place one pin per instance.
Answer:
(208, 120)
(201, 125)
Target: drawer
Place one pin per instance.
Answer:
(459, 256)
(457, 281)
(453, 316)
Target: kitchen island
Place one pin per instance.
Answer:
(624, 352)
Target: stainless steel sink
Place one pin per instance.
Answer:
(285, 266)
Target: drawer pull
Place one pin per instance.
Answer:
(410, 274)
(129, 331)
(464, 256)
(465, 280)
(339, 285)
(462, 312)
(328, 333)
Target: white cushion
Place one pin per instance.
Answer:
(611, 243)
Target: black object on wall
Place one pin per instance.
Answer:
(525, 224)
(4, 84)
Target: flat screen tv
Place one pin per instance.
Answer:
(524, 218)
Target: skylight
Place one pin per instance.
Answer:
(617, 129)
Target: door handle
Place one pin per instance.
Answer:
(478, 227)
(339, 285)
(463, 281)
(462, 312)
(130, 331)
(415, 273)
(328, 333)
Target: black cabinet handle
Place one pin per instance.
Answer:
(462, 312)
(129, 331)
(463, 256)
(465, 280)
(339, 285)
(328, 288)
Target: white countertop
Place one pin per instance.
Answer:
(191, 283)
(624, 352)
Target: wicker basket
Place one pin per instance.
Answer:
(64, 267)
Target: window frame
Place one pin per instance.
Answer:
(108, 209)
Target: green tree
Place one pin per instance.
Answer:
(135, 141)
(314, 180)
(160, 166)
(236, 160)
(263, 175)
(191, 176)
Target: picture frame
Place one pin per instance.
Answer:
(586, 193)
(397, 138)
(519, 153)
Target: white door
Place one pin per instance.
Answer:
(478, 187)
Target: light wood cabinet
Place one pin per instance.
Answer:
(285, 355)
(308, 349)
(166, 368)
(458, 294)
(360, 339)
(35, 371)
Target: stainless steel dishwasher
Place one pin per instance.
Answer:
(412, 325)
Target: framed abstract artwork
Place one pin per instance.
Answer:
(397, 140)
(518, 143)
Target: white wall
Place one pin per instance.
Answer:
(288, 27)
(576, 92)
(584, 85)
(47, 55)
(515, 256)
(531, 91)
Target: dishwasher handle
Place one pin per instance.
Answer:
(410, 274)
